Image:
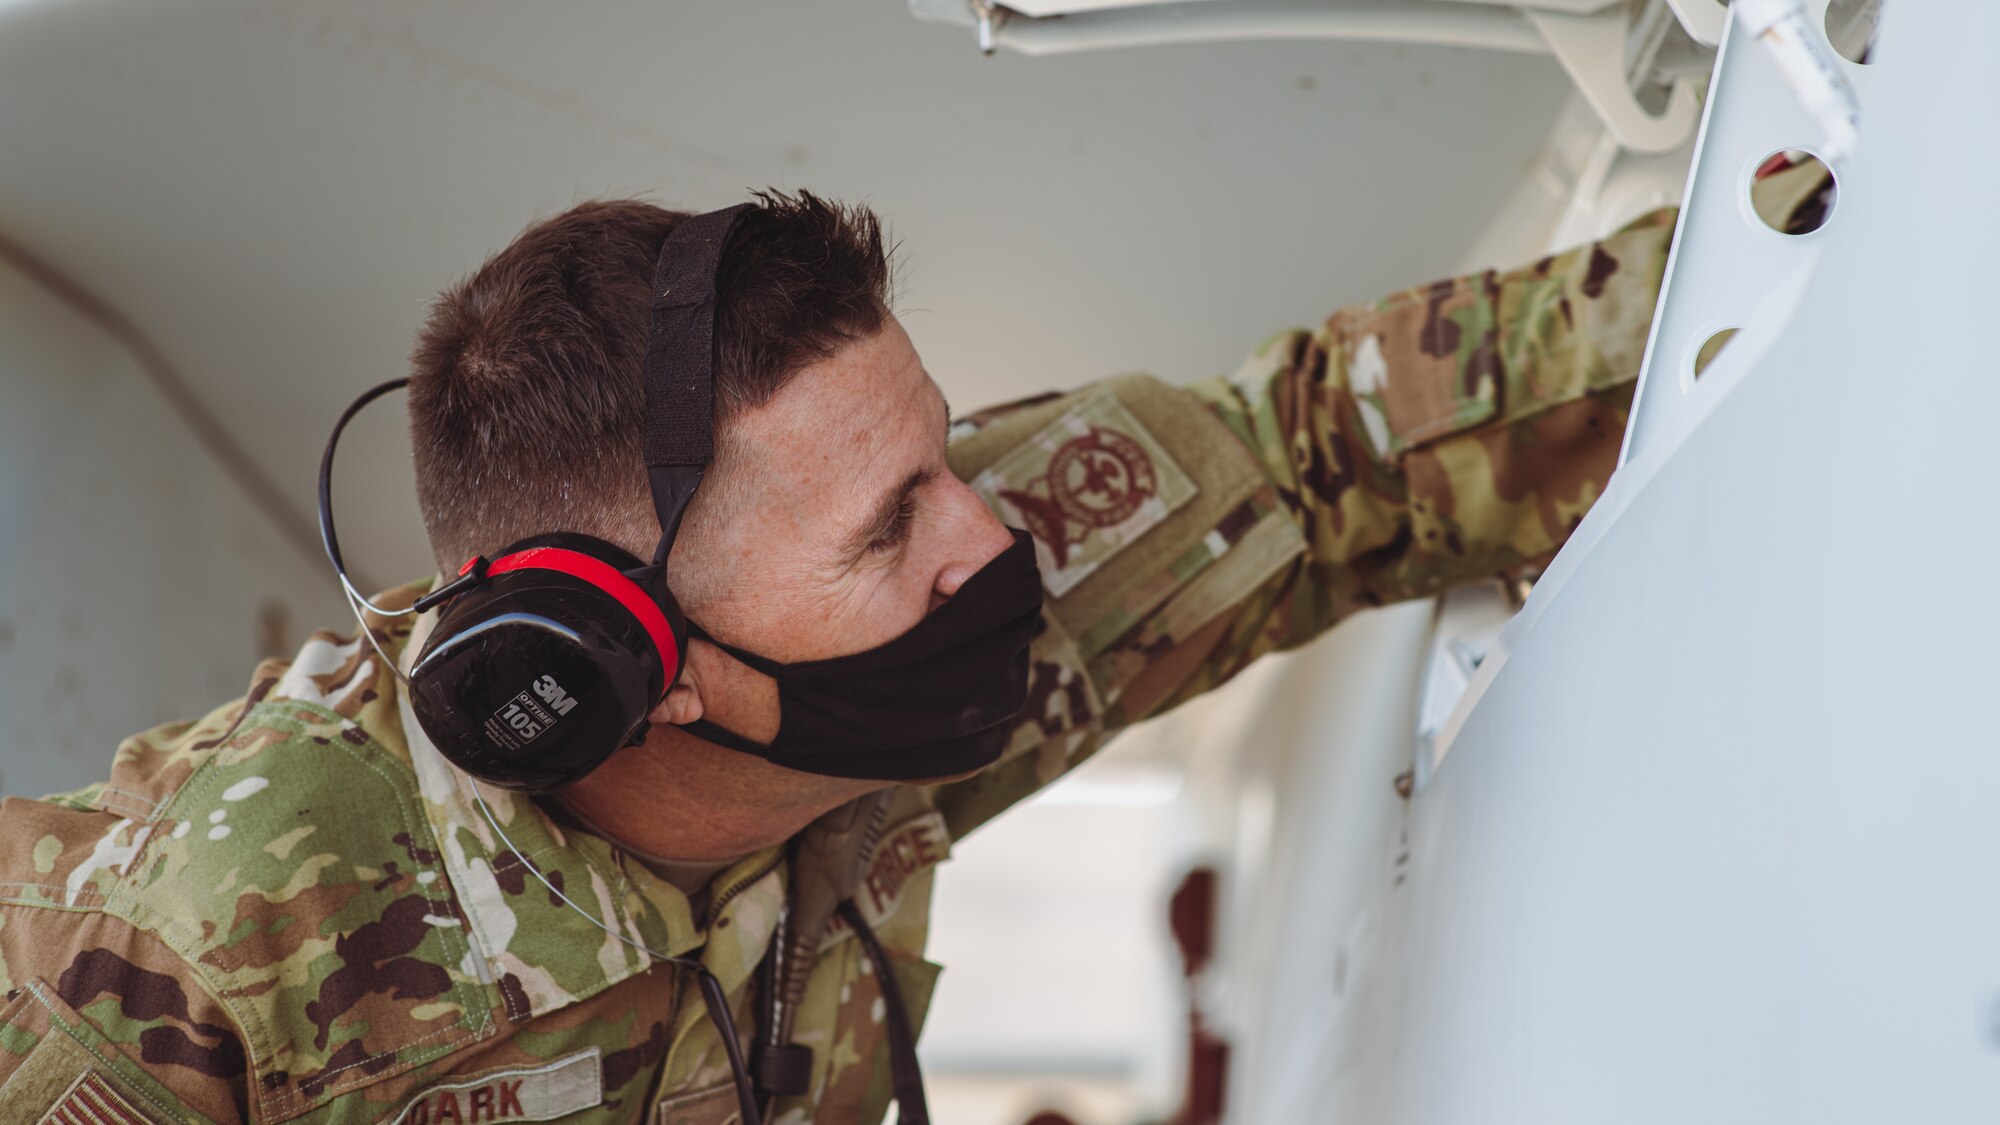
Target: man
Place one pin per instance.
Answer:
(296, 909)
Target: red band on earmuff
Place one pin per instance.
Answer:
(612, 581)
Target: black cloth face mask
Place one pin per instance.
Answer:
(938, 700)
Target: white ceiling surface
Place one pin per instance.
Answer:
(273, 191)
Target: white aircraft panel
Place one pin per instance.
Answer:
(1714, 844)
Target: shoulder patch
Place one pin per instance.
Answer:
(90, 1100)
(1087, 485)
(527, 1093)
(1207, 495)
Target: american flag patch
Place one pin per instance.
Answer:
(91, 1101)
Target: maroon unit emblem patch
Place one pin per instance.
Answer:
(1085, 486)
(1097, 480)
(1101, 478)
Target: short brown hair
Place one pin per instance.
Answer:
(527, 397)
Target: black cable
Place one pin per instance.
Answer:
(911, 1106)
(725, 1024)
(327, 538)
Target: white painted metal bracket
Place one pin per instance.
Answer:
(1590, 38)
(1578, 7)
(1438, 22)
(1591, 49)
(1728, 269)
(1705, 20)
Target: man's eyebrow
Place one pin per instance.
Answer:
(883, 517)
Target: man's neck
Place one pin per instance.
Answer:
(684, 800)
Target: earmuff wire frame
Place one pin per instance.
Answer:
(712, 996)
(328, 539)
(368, 631)
(331, 541)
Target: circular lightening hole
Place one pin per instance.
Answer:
(1711, 348)
(1852, 27)
(1793, 191)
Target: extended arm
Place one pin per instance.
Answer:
(1444, 434)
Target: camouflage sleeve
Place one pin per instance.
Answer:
(1441, 435)
(101, 1021)
(1448, 432)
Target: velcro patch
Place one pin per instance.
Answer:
(534, 1093)
(91, 1101)
(1086, 485)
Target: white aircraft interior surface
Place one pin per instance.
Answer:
(1682, 833)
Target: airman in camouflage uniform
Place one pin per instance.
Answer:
(291, 910)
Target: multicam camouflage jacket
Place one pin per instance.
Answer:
(291, 910)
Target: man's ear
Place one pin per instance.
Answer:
(714, 685)
(683, 703)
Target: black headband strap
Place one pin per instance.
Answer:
(680, 365)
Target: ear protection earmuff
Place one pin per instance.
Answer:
(547, 659)
(548, 663)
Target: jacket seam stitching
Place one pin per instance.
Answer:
(150, 810)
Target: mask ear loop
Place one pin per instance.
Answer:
(355, 598)
(712, 996)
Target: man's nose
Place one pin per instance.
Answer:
(977, 537)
